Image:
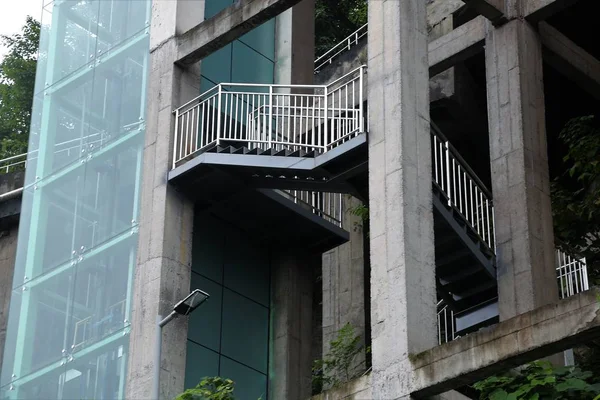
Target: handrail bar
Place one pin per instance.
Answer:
(462, 161)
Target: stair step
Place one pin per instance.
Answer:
(460, 275)
(452, 257)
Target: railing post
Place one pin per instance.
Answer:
(176, 140)
(269, 133)
(325, 129)
(218, 115)
(361, 122)
(448, 188)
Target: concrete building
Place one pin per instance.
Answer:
(197, 144)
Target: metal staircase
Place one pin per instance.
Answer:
(307, 144)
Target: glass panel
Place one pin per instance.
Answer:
(200, 362)
(249, 384)
(262, 68)
(217, 67)
(247, 268)
(245, 331)
(204, 325)
(212, 7)
(208, 247)
(262, 39)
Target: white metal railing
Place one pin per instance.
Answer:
(463, 189)
(571, 273)
(292, 117)
(340, 48)
(446, 323)
(326, 205)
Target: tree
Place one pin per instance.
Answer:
(576, 193)
(17, 80)
(335, 20)
(539, 381)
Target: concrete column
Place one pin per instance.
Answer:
(403, 295)
(162, 275)
(343, 278)
(291, 325)
(519, 165)
(295, 44)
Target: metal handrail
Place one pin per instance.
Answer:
(463, 189)
(339, 48)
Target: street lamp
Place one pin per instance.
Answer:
(184, 307)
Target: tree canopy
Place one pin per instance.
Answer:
(335, 20)
(576, 192)
(17, 80)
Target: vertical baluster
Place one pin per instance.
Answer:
(314, 104)
(448, 189)
(203, 140)
(176, 137)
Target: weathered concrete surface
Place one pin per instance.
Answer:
(295, 44)
(291, 308)
(228, 25)
(491, 9)
(403, 295)
(357, 389)
(538, 10)
(10, 211)
(8, 251)
(360, 389)
(162, 275)
(343, 277)
(527, 337)
(10, 206)
(457, 45)
(519, 165)
(571, 60)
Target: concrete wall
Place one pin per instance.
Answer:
(8, 250)
(9, 228)
(344, 282)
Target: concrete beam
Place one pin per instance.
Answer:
(539, 10)
(527, 337)
(571, 60)
(491, 9)
(457, 45)
(228, 25)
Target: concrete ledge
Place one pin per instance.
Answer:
(228, 25)
(491, 9)
(357, 389)
(527, 337)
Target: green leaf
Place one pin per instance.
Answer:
(499, 394)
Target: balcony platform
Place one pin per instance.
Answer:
(332, 171)
(262, 213)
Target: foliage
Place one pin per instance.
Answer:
(335, 20)
(17, 80)
(338, 366)
(538, 381)
(210, 388)
(576, 193)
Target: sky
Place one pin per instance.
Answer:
(13, 13)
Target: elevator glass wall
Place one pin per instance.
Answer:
(68, 328)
